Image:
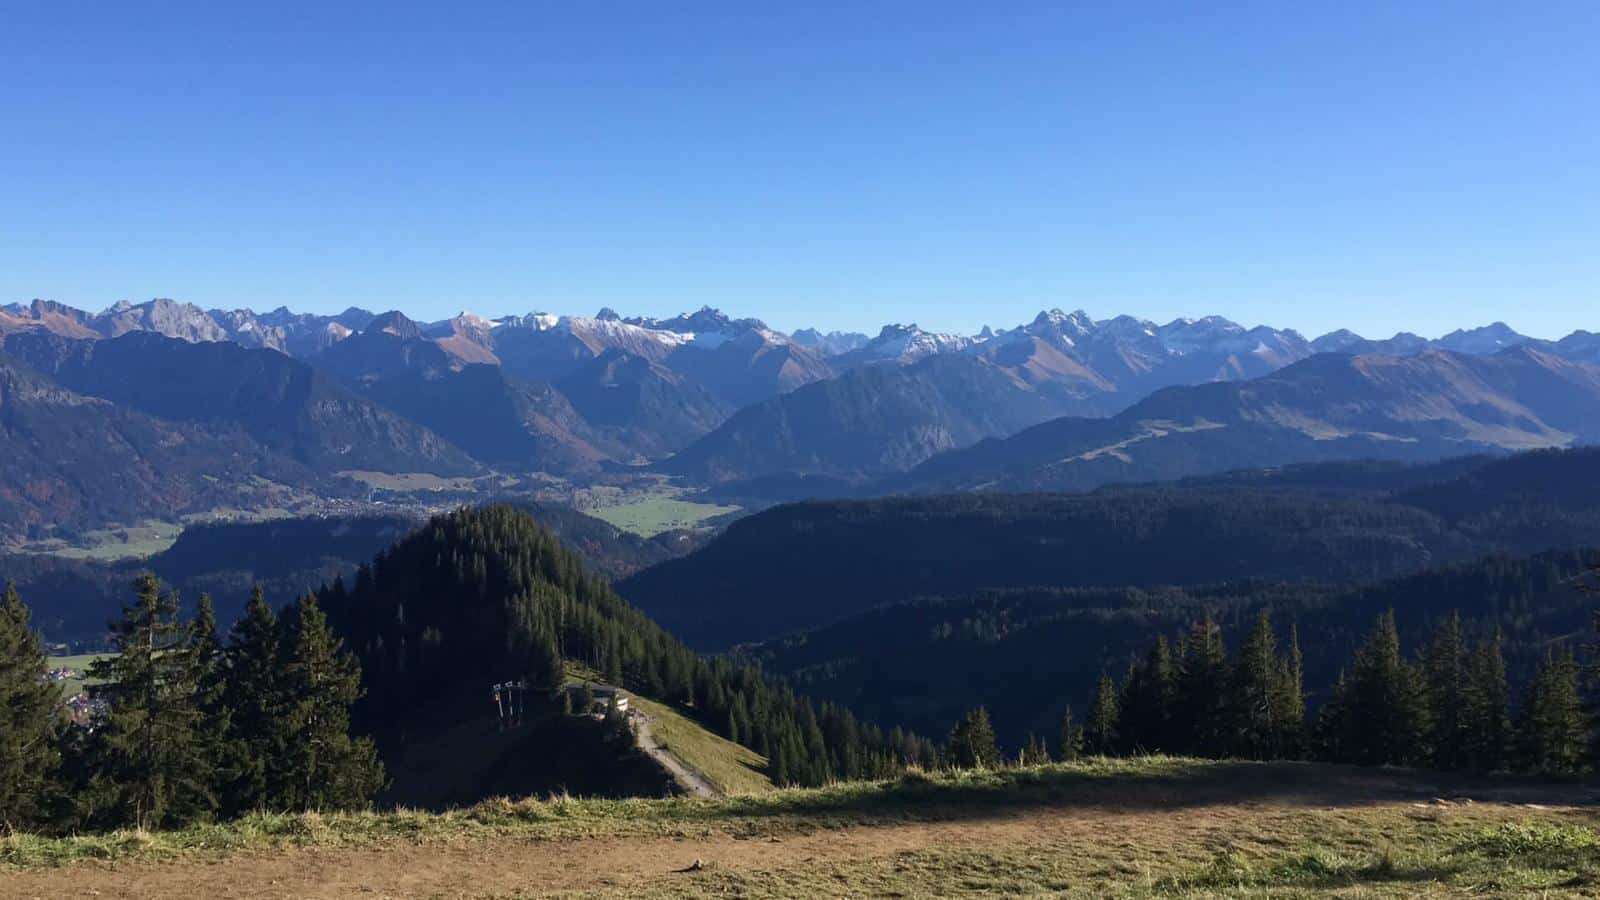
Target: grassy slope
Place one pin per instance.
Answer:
(733, 768)
(1151, 827)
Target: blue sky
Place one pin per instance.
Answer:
(1419, 166)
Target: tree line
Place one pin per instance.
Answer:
(193, 727)
(1449, 707)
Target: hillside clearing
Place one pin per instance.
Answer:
(730, 768)
(1158, 827)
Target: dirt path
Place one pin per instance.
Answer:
(691, 781)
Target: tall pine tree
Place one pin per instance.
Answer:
(1100, 731)
(325, 767)
(1202, 720)
(1289, 701)
(1551, 729)
(1445, 672)
(1485, 716)
(148, 757)
(30, 721)
(254, 697)
(1071, 738)
(1145, 723)
(1254, 706)
(1386, 702)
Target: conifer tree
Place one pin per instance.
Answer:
(1071, 737)
(1485, 718)
(148, 755)
(1333, 734)
(30, 721)
(972, 743)
(1551, 729)
(1100, 731)
(326, 768)
(1289, 701)
(1202, 691)
(254, 696)
(1444, 670)
(1254, 683)
(1034, 752)
(1387, 702)
(1145, 720)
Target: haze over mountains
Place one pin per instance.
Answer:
(220, 405)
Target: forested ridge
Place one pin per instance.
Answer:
(802, 566)
(1028, 653)
(481, 596)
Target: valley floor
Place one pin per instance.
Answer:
(1158, 827)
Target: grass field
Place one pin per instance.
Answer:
(649, 516)
(408, 481)
(1156, 827)
(133, 542)
(731, 768)
(80, 662)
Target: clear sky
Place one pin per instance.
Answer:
(1310, 165)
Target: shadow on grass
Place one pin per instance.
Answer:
(1137, 785)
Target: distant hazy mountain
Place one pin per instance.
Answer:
(636, 389)
(643, 405)
(832, 343)
(68, 461)
(875, 419)
(1329, 407)
(499, 420)
(284, 404)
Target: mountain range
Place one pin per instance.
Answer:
(1064, 401)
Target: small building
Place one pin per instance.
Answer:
(601, 698)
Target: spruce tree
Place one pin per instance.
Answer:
(1289, 701)
(254, 696)
(1387, 702)
(1145, 723)
(1100, 731)
(1551, 728)
(1071, 737)
(214, 751)
(1034, 752)
(1485, 717)
(972, 743)
(1254, 683)
(1202, 692)
(1333, 736)
(325, 767)
(147, 753)
(30, 721)
(1444, 670)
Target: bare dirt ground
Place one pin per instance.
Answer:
(1107, 834)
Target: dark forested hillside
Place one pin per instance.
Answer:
(801, 566)
(73, 598)
(485, 596)
(70, 462)
(1028, 653)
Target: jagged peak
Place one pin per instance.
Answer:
(394, 322)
